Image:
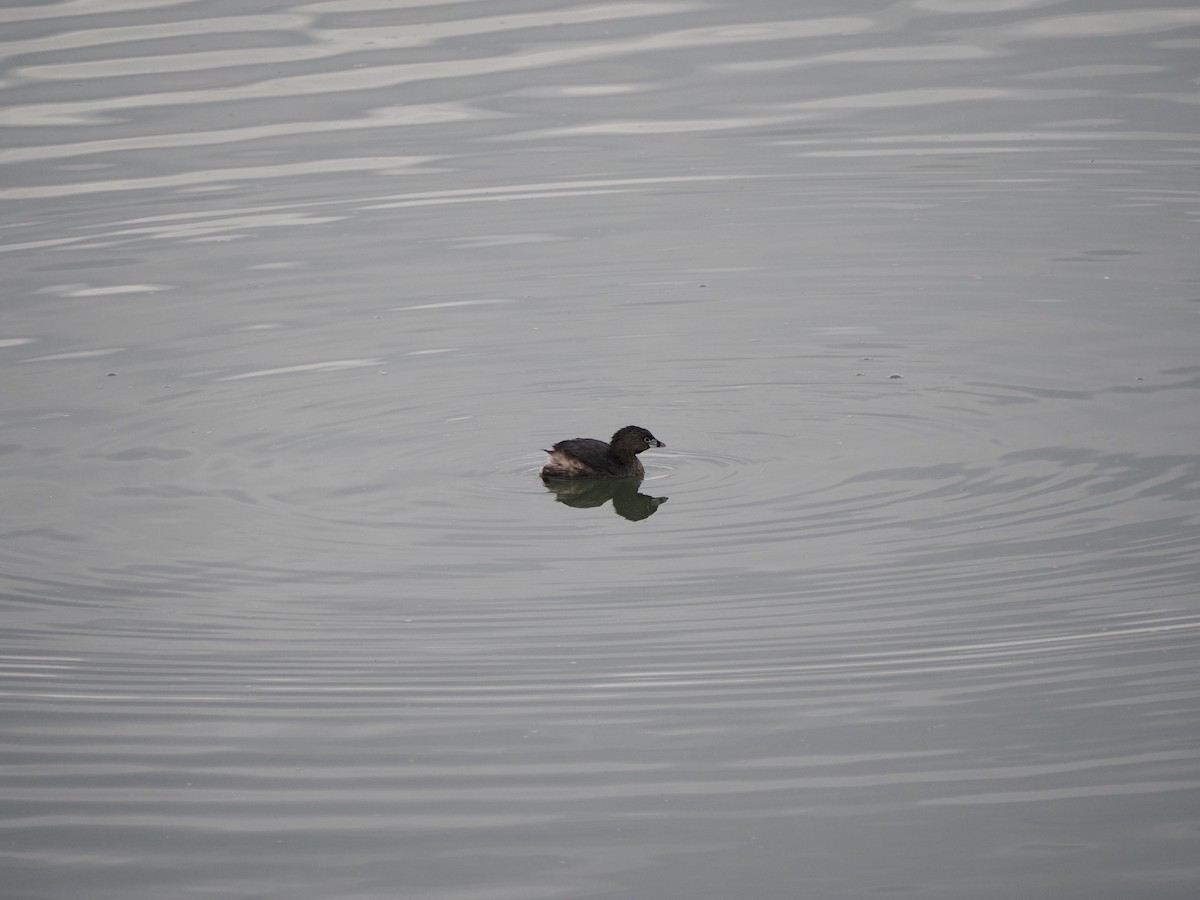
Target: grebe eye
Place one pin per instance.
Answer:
(648, 440)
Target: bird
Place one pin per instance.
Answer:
(592, 458)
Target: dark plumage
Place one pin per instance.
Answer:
(590, 458)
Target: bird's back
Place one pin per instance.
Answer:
(582, 457)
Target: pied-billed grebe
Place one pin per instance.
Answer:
(590, 458)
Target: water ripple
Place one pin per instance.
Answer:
(294, 296)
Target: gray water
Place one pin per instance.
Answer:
(293, 295)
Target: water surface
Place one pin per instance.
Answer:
(294, 294)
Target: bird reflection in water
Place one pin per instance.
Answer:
(623, 492)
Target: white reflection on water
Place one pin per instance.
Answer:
(1112, 23)
(330, 366)
(384, 117)
(386, 165)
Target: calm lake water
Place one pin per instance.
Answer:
(293, 295)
